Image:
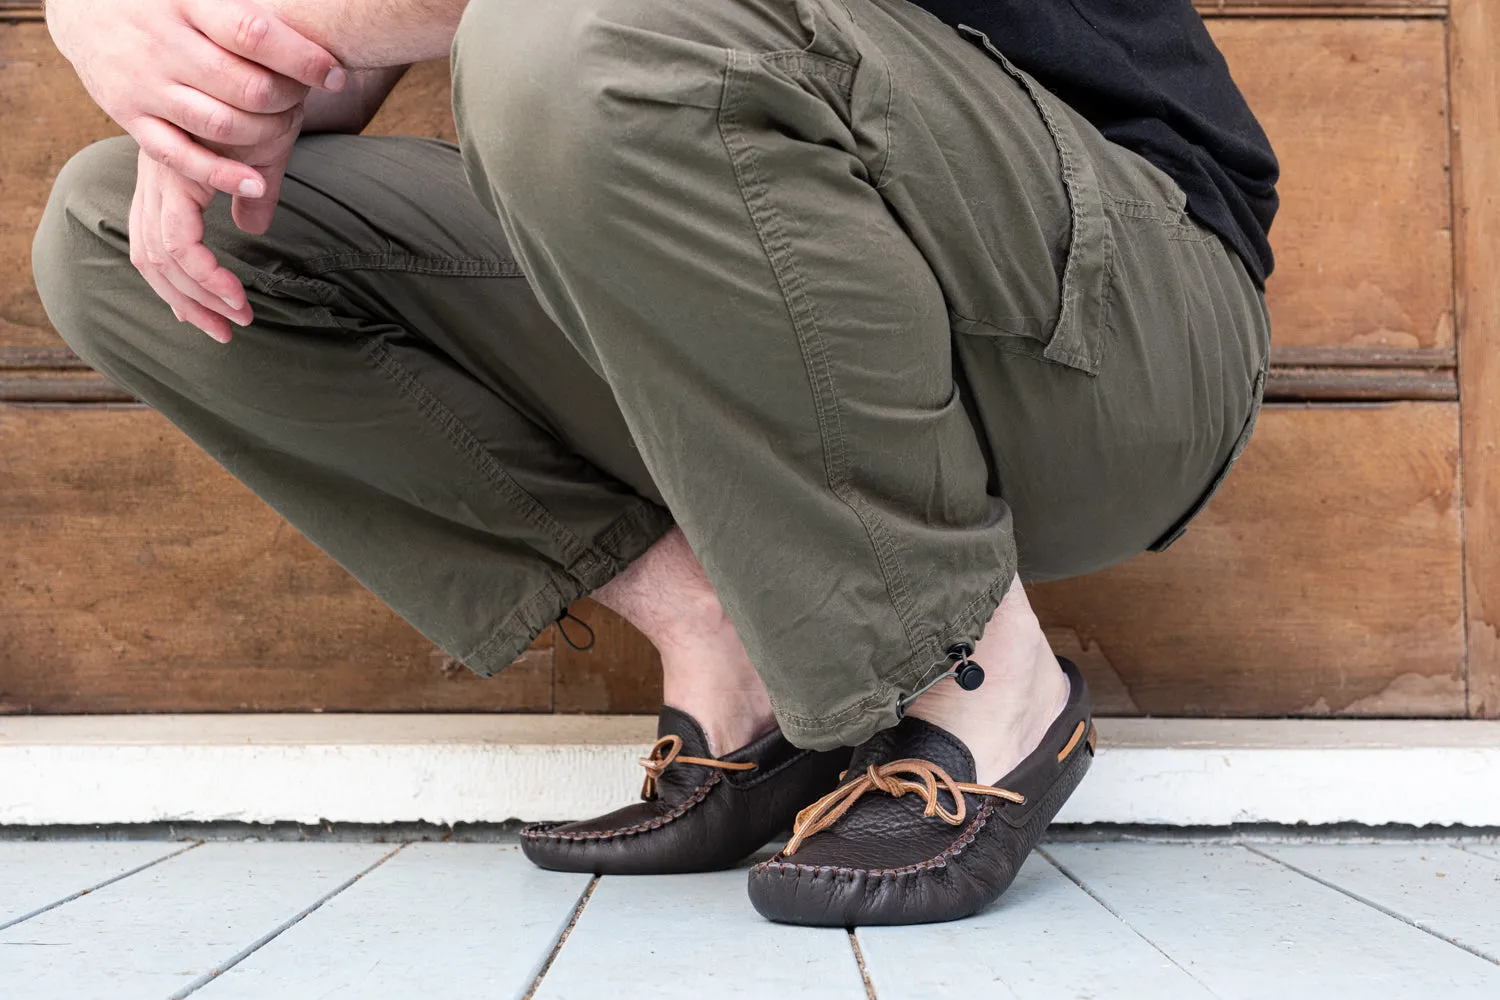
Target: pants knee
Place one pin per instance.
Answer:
(84, 232)
(549, 96)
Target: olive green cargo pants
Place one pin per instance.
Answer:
(872, 316)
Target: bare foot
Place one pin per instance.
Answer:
(1024, 691)
(705, 670)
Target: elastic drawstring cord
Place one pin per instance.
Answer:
(566, 615)
(968, 674)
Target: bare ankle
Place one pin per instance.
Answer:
(705, 669)
(1024, 690)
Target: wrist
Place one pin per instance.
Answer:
(394, 33)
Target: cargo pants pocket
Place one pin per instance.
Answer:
(1075, 339)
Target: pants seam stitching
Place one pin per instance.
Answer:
(644, 516)
(468, 267)
(463, 439)
(814, 352)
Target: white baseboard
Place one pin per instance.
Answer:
(492, 768)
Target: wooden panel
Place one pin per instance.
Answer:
(46, 117)
(68, 386)
(1322, 8)
(421, 104)
(1356, 112)
(1476, 113)
(22, 381)
(621, 672)
(137, 576)
(33, 8)
(1355, 107)
(1288, 384)
(1325, 578)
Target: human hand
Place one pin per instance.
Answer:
(166, 235)
(228, 71)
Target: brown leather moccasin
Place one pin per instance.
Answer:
(908, 838)
(697, 813)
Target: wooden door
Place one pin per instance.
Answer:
(1351, 566)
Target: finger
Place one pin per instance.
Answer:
(185, 309)
(226, 299)
(144, 164)
(188, 300)
(182, 239)
(254, 215)
(250, 30)
(146, 174)
(236, 81)
(174, 149)
(211, 323)
(209, 118)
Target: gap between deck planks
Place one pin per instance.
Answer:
(377, 922)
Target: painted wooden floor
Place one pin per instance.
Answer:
(299, 921)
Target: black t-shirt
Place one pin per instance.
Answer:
(1149, 77)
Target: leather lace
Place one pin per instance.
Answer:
(888, 778)
(668, 751)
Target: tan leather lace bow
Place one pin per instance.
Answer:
(887, 778)
(667, 751)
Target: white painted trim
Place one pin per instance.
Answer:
(492, 768)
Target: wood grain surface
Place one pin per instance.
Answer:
(137, 576)
(32, 9)
(1476, 113)
(1325, 578)
(1356, 110)
(45, 117)
(620, 672)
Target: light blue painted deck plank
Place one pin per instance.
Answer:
(36, 874)
(1450, 892)
(1491, 851)
(155, 933)
(1045, 939)
(695, 937)
(1249, 928)
(462, 920)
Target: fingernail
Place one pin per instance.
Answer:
(252, 189)
(335, 79)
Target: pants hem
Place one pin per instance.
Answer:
(854, 723)
(622, 542)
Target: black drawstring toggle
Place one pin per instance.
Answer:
(968, 673)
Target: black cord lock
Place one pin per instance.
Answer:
(968, 673)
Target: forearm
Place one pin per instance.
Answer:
(351, 109)
(375, 33)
